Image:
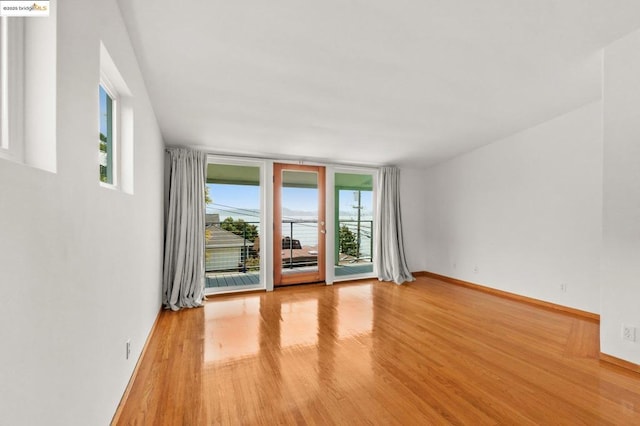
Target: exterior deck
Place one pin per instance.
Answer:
(240, 279)
(232, 279)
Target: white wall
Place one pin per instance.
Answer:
(526, 210)
(80, 265)
(620, 289)
(412, 206)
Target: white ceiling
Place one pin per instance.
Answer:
(407, 82)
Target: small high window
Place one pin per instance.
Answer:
(28, 57)
(115, 143)
(107, 136)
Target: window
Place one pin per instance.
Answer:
(234, 234)
(354, 224)
(28, 48)
(11, 88)
(107, 143)
(115, 143)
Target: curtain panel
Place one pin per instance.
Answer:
(390, 260)
(183, 275)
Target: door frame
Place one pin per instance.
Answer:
(268, 223)
(265, 218)
(280, 279)
(333, 225)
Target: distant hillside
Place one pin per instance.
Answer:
(255, 213)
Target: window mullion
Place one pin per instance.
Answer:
(109, 135)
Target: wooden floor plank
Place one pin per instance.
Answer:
(429, 352)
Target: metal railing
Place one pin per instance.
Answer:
(355, 241)
(299, 243)
(234, 245)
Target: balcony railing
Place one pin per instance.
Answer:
(299, 243)
(355, 242)
(232, 246)
(235, 246)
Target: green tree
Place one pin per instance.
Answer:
(103, 149)
(241, 228)
(208, 233)
(207, 197)
(348, 243)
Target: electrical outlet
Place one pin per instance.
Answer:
(628, 333)
(476, 269)
(563, 287)
(128, 352)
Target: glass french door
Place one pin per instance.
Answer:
(233, 226)
(354, 224)
(299, 224)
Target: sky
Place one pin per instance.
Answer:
(247, 197)
(300, 199)
(103, 111)
(348, 202)
(234, 200)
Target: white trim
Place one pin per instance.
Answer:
(122, 125)
(265, 219)
(266, 246)
(40, 91)
(266, 216)
(329, 217)
(12, 89)
(4, 84)
(374, 236)
(115, 135)
(343, 278)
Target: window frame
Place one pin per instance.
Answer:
(114, 143)
(331, 221)
(266, 258)
(12, 88)
(123, 124)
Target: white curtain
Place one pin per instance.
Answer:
(183, 277)
(390, 259)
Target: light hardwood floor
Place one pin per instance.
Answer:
(375, 353)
